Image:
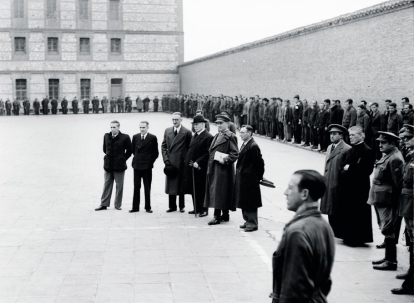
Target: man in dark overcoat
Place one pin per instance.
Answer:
(355, 184)
(36, 106)
(16, 107)
(174, 149)
(376, 127)
(45, 106)
(336, 113)
(8, 106)
(64, 105)
(85, 105)
(54, 104)
(146, 103)
(313, 124)
(297, 120)
(145, 151)
(117, 149)
(249, 172)
(75, 105)
(384, 195)
(334, 163)
(303, 261)
(223, 153)
(26, 107)
(196, 163)
(155, 101)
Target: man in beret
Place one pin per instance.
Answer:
(303, 261)
(384, 195)
(174, 149)
(249, 172)
(406, 210)
(195, 164)
(223, 152)
(334, 164)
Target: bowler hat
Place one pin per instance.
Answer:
(337, 128)
(408, 131)
(388, 137)
(170, 171)
(198, 119)
(222, 118)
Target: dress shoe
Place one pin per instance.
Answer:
(387, 265)
(134, 211)
(182, 210)
(323, 151)
(215, 221)
(149, 211)
(191, 212)
(101, 208)
(203, 214)
(402, 291)
(118, 208)
(378, 262)
(403, 276)
(224, 218)
(379, 246)
(250, 229)
(314, 147)
(305, 145)
(171, 210)
(243, 226)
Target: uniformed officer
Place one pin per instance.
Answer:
(36, 106)
(384, 195)
(64, 105)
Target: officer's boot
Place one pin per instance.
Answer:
(390, 262)
(405, 275)
(407, 288)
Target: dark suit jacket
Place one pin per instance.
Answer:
(145, 152)
(117, 151)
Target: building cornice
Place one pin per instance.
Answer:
(7, 72)
(369, 12)
(74, 31)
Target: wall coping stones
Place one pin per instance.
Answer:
(365, 13)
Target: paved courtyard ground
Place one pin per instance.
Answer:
(55, 248)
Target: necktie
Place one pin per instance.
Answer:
(195, 135)
(333, 147)
(142, 138)
(242, 146)
(175, 132)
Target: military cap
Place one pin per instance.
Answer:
(225, 113)
(337, 128)
(408, 131)
(388, 137)
(222, 118)
(198, 119)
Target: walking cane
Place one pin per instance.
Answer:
(194, 195)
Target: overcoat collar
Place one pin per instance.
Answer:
(176, 139)
(143, 142)
(198, 138)
(246, 147)
(218, 140)
(385, 157)
(337, 150)
(310, 212)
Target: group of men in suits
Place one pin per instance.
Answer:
(350, 193)
(198, 164)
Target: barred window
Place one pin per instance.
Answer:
(85, 46)
(53, 88)
(18, 8)
(115, 46)
(21, 89)
(51, 9)
(83, 9)
(52, 45)
(85, 88)
(20, 45)
(114, 11)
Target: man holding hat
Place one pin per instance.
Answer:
(174, 149)
(196, 165)
(223, 153)
(406, 210)
(334, 163)
(384, 195)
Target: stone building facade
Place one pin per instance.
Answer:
(89, 48)
(365, 55)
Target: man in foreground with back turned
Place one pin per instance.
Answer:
(302, 263)
(145, 151)
(117, 150)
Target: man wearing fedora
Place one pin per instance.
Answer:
(223, 152)
(145, 151)
(384, 195)
(174, 149)
(406, 210)
(334, 163)
(196, 165)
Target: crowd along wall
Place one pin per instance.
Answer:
(366, 55)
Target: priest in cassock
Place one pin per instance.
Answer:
(355, 213)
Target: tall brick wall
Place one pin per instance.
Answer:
(152, 48)
(365, 55)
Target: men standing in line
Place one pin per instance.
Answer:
(16, 107)
(36, 106)
(64, 105)
(155, 101)
(408, 117)
(287, 121)
(266, 117)
(384, 195)
(85, 104)
(303, 261)
(256, 116)
(280, 119)
(54, 104)
(95, 105)
(112, 103)
(336, 113)
(75, 105)
(223, 153)
(395, 121)
(104, 103)
(196, 165)
(306, 127)
(314, 124)
(376, 127)
(334, 163)
(8, 105)
(26, 107)
(145, 151)
(120, 103)
(350, 115)
(1, 107)
(140, 104)
(128, 104)
(249, 172)
(45, 106)
(297, 120)
(174, 149)
(273, 118)
(323, 122)
(355, 182)
(146, 104)
(406, 210)
(117, 149)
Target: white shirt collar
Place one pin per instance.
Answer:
(177, 128)
(145, 136)
(201, 132)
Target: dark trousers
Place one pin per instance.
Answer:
(8, 111)
(218, 213)
(322, 138)
(54, 110)
(306, 130)
(64, 110)
(280, 132)
(273, 129)
(155, 107)
(86, 109)
(45, 110)
(109, 179)
(314, 136)
(75, 110)
(250, 216)
(297, 132)
(172, 201)
(146, 176)
(37, 111)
